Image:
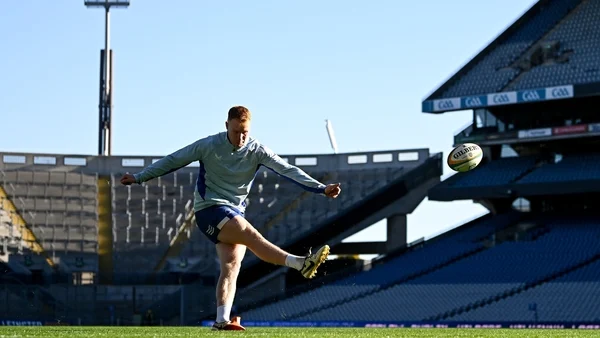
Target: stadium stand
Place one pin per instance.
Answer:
(499, 172)
(524, 175)
(569, 297)
(10, 238)
(571, 167)
(280, 209)
(479, 270)
(551, 45)
(573, 297)
(60, 207)
(145, 217)
(73, 210)
(573, 47)
(532, 169)
(285, 213)
(497, 59)
(360, 289)
(547, 271)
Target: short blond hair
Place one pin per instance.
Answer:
(239, 112)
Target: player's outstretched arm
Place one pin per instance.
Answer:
(272, 161)
(169, 163)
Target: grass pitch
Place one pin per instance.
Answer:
(73, 332)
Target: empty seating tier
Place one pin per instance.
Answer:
(501, 269)
(497, 172)
(579, 167)
(409, 265)
(492, 73)
(577, 35)
(59, 207)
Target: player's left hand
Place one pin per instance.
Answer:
(333, 190)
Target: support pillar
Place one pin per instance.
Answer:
(396, 232)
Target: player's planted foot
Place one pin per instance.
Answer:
(312, 261)
(230, 325)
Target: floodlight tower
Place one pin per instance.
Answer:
(106, 92)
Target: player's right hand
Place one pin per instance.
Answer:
(333, 190)
(128, 179)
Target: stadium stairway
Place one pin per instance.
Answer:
(105, 232)
(178, 242)
(26, 233)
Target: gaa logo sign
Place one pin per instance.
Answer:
(560, 92)
(445, 104)
(501, 98)
(531, 95)
(474, 101)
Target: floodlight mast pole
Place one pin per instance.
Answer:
(106, 73)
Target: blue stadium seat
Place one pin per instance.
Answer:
(59, 207)
(572, 297)
(309, 210)
(412, 263)
(570, 168)
(490, 74)
(504, 267)
(578, 33)
(497, 172)
(408, 302)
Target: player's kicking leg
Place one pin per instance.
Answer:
(239, 230)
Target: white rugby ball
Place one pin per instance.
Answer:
(465, 157)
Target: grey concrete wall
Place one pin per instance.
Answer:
(406, 158)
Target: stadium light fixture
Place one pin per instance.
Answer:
(329, 128)
(106, 60)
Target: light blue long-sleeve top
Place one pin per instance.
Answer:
(226, 174)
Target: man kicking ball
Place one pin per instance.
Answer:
(228, 164)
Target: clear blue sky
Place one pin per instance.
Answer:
(365, 65)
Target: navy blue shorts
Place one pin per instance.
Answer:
(212, 219)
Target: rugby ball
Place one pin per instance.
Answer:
(465, 157)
